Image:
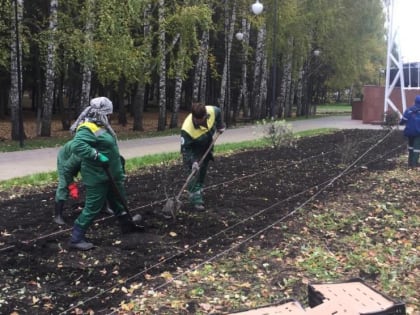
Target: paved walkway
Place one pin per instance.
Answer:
(23, 163)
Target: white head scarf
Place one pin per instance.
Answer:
(97, 112)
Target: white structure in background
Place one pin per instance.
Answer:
(402, 37)
(393, 62)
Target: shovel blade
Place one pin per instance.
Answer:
(171, 207)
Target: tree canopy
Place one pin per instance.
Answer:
(119, 42)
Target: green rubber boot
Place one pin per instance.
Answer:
(196, 200)
(58, 212)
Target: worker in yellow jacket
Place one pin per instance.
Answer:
(197, 133)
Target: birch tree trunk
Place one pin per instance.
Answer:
(139, 98)
(15, 96)
(285, 84)
(287, 80)
(260, 63)
(299, 93)
(224, 100)
(197, 72)
(177, 98)
(292, 92)
(48, 101)
(162, 68)
(243, 102)
(87, 65)
(86, 81)
(264, 87)
(204, 66)
(178, 84)
(200, 72)
(284, 105)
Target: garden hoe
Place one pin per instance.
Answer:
(135, 219)
(174, 204)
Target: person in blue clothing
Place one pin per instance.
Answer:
(197, 133)
(411, 120)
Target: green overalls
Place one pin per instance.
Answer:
(68, 165)
(195, 140)
(88, 141)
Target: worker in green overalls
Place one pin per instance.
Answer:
(95, 142)
(197, 133)
(68, 166)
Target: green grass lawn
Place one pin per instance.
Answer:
(333, 108)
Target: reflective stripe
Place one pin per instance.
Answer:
(195, 133)
(96, 130)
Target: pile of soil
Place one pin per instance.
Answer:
(41, 275)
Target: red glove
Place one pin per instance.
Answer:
(74, 191)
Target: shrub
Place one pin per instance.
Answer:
(278, 133)
(391, 120)
(348, 150)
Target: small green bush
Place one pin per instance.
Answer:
(278, 133)
(391, 120)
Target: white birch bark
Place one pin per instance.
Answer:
(197, 72)
(264, 87)
(162, 68)
(224, 99)
(179, 64)
(204, 66)
(177, 97)
(87, 65)
(200, 71)
(299, 93)
(15, 74)
(256, 99)
(243, 102)
(283, 103)
(292, 92)
(288, 80)
(138, 107)
(48, 99)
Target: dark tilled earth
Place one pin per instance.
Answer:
(41, 275)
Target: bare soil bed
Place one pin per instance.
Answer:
(41, 275)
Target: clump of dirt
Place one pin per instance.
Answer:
(41, 275)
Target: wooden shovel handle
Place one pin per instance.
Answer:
(194, 171)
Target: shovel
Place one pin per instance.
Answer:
(137, 218)
(174, 204)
